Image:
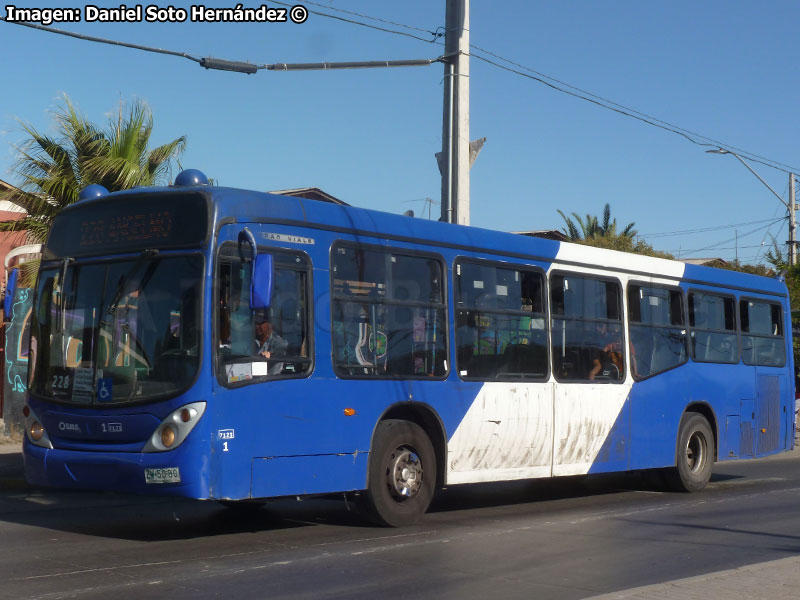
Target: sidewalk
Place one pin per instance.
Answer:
(9, 447)
(767, 581)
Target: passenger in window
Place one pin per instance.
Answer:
(632, 355)
(268, 343)
(607, 359)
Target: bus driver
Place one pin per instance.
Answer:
(267, 342)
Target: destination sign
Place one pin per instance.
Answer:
(129, 223)
(156, 226)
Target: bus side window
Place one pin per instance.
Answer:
(657, 329)
(238, 346)
(389, 313)
(713, 323)
(500, 324)
(587, 340)
(762, 333)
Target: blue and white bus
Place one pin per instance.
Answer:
(223, 344)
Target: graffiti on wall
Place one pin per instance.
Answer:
(17, 350)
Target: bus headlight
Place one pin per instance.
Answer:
(37, 431)
(173, 430)
(34, 430)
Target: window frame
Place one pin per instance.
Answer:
(310, 345)
(621, 321)
(459, 260)
(684, 306)
(761, 335)
(692, 329)
(445, 304)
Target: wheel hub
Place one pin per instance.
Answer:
(404, 473)
(696, 451)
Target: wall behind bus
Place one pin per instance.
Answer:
(15, 367)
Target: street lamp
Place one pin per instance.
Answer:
(790, 205)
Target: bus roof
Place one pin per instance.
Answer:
(251, 206)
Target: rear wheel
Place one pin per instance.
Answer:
(695, 456)
(402, 473)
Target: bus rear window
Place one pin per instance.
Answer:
(762, 334)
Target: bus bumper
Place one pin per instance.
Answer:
(117, 471)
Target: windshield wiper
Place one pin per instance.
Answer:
(60, 307)
(120, 291)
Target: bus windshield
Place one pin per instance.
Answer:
(116, 332)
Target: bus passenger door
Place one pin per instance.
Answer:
(770, 421)
(764, 346)
(591, 408)
(592, 423)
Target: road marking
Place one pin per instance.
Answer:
(323, 555)
(746, 481)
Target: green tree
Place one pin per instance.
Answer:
(602, 233)
(53, 169)
(592, 227)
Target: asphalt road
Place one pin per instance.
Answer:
(564, 538)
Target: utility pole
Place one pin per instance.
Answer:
(789, 205)
(792, 223)
(455, 122)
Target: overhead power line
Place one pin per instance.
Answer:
(704, 229)
(718, 244)
(362, 24)
(99, 40)
(585, 95)
(437, 34)
(618, 108)
(676, 128)
(552, 82)
(239, 66)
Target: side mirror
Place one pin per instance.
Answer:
(261, 283)
(246, 237)
(8, 299)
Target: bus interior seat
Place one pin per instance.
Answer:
(525, 359)
(568, 364)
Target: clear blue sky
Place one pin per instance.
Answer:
(725, 69)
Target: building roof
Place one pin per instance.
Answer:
(705, 262)
(548, 234)
(5, 205)
(311, 193)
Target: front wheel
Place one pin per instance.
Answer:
(402, 473)
(695, 455)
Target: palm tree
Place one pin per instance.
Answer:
(592, 227)
(53, 170)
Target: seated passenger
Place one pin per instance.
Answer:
(268, 343)
(607, 359)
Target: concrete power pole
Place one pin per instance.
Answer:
(792, 223)
(455, 129)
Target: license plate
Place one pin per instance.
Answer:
(167, 475)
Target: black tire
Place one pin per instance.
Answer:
(402, 473)
(695, 455)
